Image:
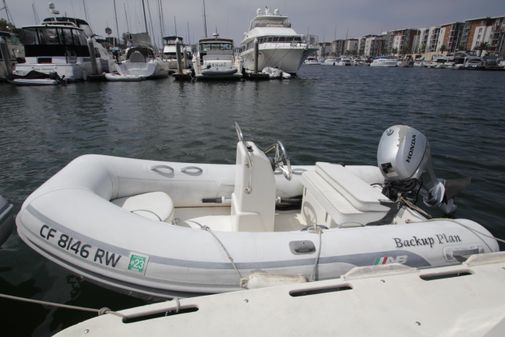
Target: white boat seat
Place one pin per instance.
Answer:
(335, 196)
(156, 206)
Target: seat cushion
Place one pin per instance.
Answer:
(153, 205)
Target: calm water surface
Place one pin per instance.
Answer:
(328, 114)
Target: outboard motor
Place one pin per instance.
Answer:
(404, 158)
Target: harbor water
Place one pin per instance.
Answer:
(327, 113)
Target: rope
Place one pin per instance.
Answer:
(418, 209)
(99, 312)
(206, 228)
(475, 231)
(314, 275)
(413, 206)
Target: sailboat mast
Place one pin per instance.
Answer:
(162, 21)
(204, 19)
(85, 10)
(126, 16)
(115, 17)
(145, 18)
(187, 32)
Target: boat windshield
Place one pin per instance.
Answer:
(54, 41)
(74, 21)
(205, 47)
(289, 39)
(270, 21)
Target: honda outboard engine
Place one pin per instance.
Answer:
(404, 159)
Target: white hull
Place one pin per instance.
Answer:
(288, 59)
(384, 63)
(99, 218)
(466, 300)
(70, 72)
(34, 82)
(147, 70)
(123, 78)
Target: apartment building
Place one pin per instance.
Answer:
(374, 46)
(450, 36)
(351, 47)
(401, 41)
(337, 47)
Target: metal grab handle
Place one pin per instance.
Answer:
(240, 137)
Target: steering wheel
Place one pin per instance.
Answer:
(281, 160)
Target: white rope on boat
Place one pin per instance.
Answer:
(207, 228)
(315, 270)
(428, 216)
(413, 206)
(99, 312)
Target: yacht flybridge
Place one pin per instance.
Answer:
(175, 229)
(278, 45)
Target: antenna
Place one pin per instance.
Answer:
(204, 19)
(85, 9)
(35, 14)
(175, 26)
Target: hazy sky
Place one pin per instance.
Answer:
(326, 18)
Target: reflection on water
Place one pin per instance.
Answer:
(327, 114)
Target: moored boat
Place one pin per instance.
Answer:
(142, 63)
(384, 62)
(170, 53)
(215, 60)
(278, 45)
(176, 229)
(55, 48)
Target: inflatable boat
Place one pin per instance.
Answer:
(165, 229)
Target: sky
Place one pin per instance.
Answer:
(329, 19)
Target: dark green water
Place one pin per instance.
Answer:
(328, 114)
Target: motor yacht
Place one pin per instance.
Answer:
(384, 62)
(55, 49)
(311, 60)
(343, 61)
(11, 52)
(170, 53)
(215, 60)
(279, 46)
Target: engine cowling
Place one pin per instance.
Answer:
(403, 157)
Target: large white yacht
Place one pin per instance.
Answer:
(279, 46)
